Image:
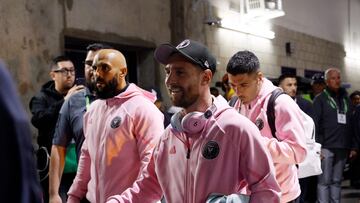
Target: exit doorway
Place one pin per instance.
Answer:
(139, 60)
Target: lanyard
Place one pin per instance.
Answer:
(87, 100)
(333, 104)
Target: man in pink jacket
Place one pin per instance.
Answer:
(254, 91)
(209, 151)
(121, 129)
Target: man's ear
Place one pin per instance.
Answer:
(259, 76)
(52, 75)
(207, 76)
(123, 72)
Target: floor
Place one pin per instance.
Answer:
(349, 195)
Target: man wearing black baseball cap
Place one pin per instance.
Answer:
(208, 151)
(317, 84)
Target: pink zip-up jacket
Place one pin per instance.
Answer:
(289, 149)
(120, 135)
(226, 155)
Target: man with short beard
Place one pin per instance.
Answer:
(70, 127)
(209, 151)
(121, 129)
(286, 143)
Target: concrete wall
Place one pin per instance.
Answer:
(336, 21)
(33, 32)
(30, 35)
(313, 49)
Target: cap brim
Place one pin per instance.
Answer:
(165, 51)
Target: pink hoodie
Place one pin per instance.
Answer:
(220, 159)
(120, 135)
(290, 150)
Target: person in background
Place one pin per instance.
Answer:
(287, 146)
(333, 132)
(229, 92)
(215, 92)
(69, 127)
(355, 125)
(45, 107)
(317, 84)
(355, 98)
(18, 176)
(289, 84)
(121, 129)
(159, 104)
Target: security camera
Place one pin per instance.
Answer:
(212, 22)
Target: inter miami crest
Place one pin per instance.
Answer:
(259, 123)
(115, 122)
(211, 150)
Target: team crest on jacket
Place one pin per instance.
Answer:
(210, 150)
(259, 123)
(115, 122)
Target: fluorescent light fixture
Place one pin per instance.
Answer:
(352, 55)
(247, 29)
(269, 14)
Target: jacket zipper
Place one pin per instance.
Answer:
(187, 171)
(188, 148)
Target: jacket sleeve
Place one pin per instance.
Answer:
(318, 114)
(257, 167)
(78, 189)
(42, 111)
(357, 126)
(148, 128)
(290, 145)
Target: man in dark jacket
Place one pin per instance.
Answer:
(289, 83)
(45, 108)
(355, 121)
(332, 120)
(317, 84)
(17, 172)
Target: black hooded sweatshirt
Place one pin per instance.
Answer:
(45, 107)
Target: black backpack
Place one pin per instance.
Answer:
(270, 111)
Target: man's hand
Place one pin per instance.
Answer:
(73, 90)
(353, 154)
(57, 162)
(55, 199)
(321, 156)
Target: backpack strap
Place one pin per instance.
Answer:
(270, 112)
(233, 100)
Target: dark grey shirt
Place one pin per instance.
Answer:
(70, 122)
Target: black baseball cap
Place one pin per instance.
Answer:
(317, 78)
(192, 50)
